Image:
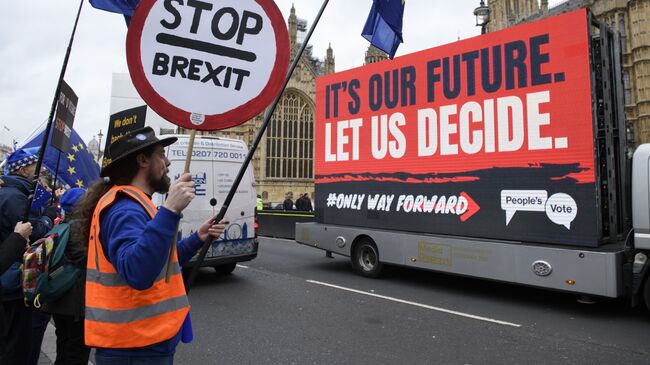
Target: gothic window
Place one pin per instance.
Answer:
(290, 137)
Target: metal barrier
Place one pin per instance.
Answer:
(281, 223)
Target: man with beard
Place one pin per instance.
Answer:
(133, 314)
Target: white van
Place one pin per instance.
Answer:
(214, 167)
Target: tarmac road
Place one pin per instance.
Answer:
(291, 305)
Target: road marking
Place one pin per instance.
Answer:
(448, 311)
(242, 266)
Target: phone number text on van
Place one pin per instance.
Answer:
(211, 155)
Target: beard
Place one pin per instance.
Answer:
(159, 184)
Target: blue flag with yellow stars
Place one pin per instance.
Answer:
(77, 167)
(383, 28)
(42, 198)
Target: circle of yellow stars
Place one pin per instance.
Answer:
(71, 157)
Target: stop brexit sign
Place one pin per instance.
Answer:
(207, 65)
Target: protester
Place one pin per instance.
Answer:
(288, 201)
(68, 311)
(15, 334)
(131, 311)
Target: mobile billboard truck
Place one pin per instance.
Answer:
(501, 157)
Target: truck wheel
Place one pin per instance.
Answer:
(225, 269)
(365, 259)
(646, 292)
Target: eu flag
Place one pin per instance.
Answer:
(77, 167)
(383, 28)
(41, 198)
(125, 7)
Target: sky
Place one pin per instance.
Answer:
(34, 36)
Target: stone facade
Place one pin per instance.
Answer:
(631, 18)
(284, 160)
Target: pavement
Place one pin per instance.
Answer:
(48, 347)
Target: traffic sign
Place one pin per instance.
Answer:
(207, 65)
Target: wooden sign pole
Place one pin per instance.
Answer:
(172, 248)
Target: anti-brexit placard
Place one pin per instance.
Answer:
(207, 65)
(486, 137)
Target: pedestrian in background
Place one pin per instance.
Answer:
(306, 203)
(132, 313)
(68, 311)
(288, 201)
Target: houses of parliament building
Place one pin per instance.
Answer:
(284, 160)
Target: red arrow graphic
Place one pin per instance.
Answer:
(472, 207)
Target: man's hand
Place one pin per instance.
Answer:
(181, 194)
(209, 229)
(24, 229)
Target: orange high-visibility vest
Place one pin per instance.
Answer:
(117, 315)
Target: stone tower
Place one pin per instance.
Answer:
(329, 60)
(505, 13)
(374, 54)
(293, 31)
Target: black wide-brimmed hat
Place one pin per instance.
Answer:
(131, 143)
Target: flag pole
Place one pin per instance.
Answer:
(251, 152)
(56, 176)
(46, 135)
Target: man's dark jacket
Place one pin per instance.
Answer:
(11, 249)
(14, 194)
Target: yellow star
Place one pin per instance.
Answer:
(75, 148)
(71, 170)
(81, 146)
(79, 183)
(70, 157)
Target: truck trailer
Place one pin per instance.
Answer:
(504, 156)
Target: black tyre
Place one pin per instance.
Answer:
(225, 269)
(365, 259)
(646, 291)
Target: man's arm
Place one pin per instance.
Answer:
(208, 231)
(136, 246)
(188, 247)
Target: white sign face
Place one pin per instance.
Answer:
(207, 64)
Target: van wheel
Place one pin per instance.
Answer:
(225, 269)
(365, 259)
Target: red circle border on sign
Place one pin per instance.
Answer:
(231, 118)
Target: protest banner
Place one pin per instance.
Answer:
(120, 124)
(66, 109)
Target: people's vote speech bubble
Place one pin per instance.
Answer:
(561, 209)
(513, 201)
